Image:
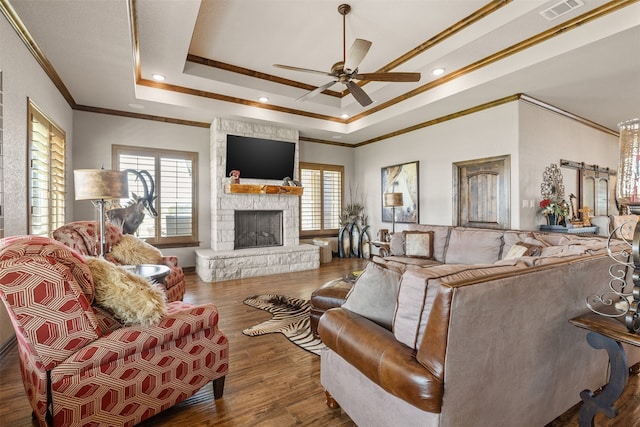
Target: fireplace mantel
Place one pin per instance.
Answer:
(263, 189)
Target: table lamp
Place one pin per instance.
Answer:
(391, 200)
(99, 185)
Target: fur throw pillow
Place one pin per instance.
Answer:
(132, 251)
(130, 298)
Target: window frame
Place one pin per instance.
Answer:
(56, 139)
(322, 167)
(158, 154)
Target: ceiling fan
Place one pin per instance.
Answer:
(346, 71)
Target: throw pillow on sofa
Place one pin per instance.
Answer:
(132, 251)
(373, 295)
(521, 249)
(418, 244)
(130, 298)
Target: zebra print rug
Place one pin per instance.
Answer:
(290, 318)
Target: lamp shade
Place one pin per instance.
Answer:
(628, 183)
(393, 199)
(100, 184)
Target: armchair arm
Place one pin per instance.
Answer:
(182, 321)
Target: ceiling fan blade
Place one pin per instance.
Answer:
(388, 77)
(356, 54)
(359, 94)
(305, 70)
(316, 91)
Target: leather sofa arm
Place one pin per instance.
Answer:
(375, 352)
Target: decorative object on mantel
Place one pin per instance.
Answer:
(288, 182)
(618, 301)
(263, 189)
(234, 177)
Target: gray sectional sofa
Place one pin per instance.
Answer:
(478, 332)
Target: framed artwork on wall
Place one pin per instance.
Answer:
(402, 178)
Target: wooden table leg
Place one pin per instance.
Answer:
(603, 402)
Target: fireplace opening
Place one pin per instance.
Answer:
(257, 229)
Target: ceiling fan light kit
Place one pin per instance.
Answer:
(346, 71)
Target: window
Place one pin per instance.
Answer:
(46, 174)
(174, 187)
(321, 202)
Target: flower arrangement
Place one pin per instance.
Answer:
(554, 207)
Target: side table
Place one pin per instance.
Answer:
(155, 272)
(605, 333)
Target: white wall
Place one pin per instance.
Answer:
(488, 133)
(546, 138)
(23, 78)
(96, 133)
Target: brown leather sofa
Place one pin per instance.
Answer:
(486, 343)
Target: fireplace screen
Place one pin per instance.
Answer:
(257, 229)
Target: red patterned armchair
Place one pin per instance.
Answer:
(79, 365)
(83, 236)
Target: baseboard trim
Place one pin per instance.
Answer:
(8, 346)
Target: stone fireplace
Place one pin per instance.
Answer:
(224, 261)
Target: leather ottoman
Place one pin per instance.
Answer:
(330, 295)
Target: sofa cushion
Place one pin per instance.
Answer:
(374, 294)
(419, 287)
(396, 244)
(418, 244)
(132, 251)
(469, 246)
(130, 298)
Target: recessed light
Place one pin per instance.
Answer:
(438, 71)
(263, 99)
(344, 116)
(158, 77)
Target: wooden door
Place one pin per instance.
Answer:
(481, 193)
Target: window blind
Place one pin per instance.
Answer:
(46, 174)
(321, 202)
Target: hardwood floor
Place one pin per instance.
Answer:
(271, 382)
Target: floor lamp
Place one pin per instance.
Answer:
(99, 185)
(391, 200)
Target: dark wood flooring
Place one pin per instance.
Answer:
(271, 381)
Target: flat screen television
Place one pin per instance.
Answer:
(260, 158)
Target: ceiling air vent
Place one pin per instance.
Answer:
(561, 8)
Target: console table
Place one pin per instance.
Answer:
(605, 333)
(569, 230)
